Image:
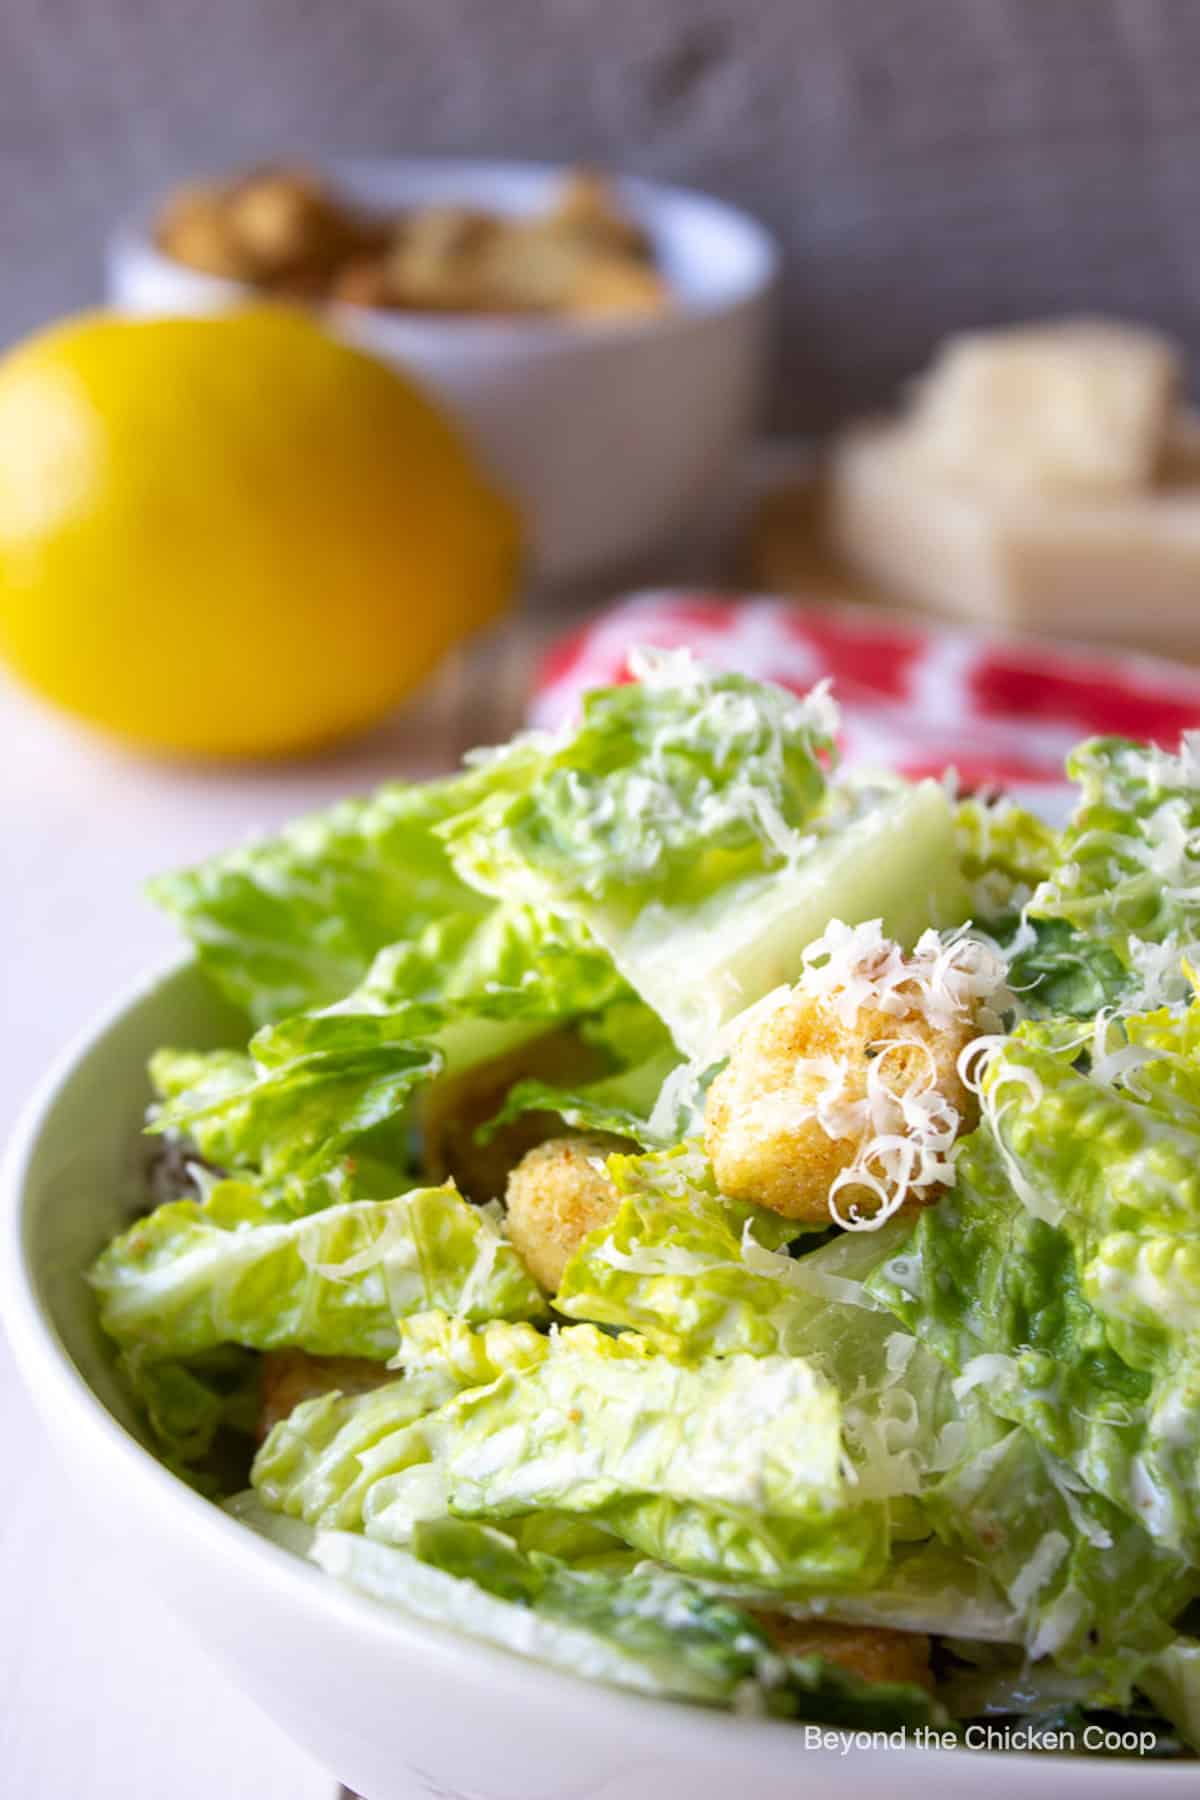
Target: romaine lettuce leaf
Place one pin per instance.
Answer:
(650, 1630)
(687, 825)
(295, 921)
(647, 1611)
(997, 1293)
(206, 1076)
(621, 1104)
(888, 856)
(925, 1587)
(732, 1468)
(300, 1118)
(230, 1270)
(318, 1084)
(700, 1275)
(1004, 852)
(1056, 970)
(1111, 1157)
(189, 1403)
(1090, 1587)
(1172, 1680)
(669, 788)
(515, 962)
(1110, 1149)
(1026, 1554)
(1055, 1279)
(1129, 857)
(1126, 882)
(666, 1618)
(324, 1462)
(671, 1264)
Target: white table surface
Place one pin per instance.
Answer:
(103, 1694)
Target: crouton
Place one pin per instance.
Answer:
(290, 1376)
(556, 1195)
(845, 1089)
(871, 1651)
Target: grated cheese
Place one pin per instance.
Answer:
(943, 981)
(907, 1129)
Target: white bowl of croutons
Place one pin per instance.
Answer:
(602, 343)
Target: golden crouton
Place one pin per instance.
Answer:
(557, 1195)
(871, 1651)
(290, 1376)
(289, 223)
(195, 229)
(616, 286)
(283, 230)
(770, 1138)
(589, 209)
(842, 1095)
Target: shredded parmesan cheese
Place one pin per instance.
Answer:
(908, 1126)
(944, 980)
(860, 1056)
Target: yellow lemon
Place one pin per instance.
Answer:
(233, 536)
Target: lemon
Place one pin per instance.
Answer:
(233, 536)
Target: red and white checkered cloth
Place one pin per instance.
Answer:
(914, 697)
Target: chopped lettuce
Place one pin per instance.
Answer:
(655, 1613)
(982, 1423)
(295, 921)
(699, 1275)
(671, 1263)
(229, 1270)
(997, 1292)
(687, 824)
(190, 1402)
(1056, 970)
(515, 961)
(732, 1469)
(700, 964)
(300, 1118)
(1172, 1680)
(1004, 852)
(1059, 1278)
(374, 970)
(650, 1630)
(622, 1104)
(668, 789)
(1090, 1587)
(926, 1587)
(1128, 866)
(645, 1611)
(331, 1459)
(317, 1085)
(1126, 882)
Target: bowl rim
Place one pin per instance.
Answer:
(132, 240)
(54, 1380)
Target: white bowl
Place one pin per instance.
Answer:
(393, 1707)
(610, 435)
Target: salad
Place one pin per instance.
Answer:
(720, 1226)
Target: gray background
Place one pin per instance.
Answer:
(927, 163)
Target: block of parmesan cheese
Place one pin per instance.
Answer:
(1123, 568)
(1074, 408)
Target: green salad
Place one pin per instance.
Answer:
(719, 1226)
